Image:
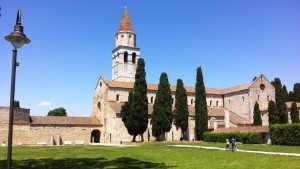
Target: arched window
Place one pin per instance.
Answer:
(243, 99)
(217, 103)
(210, 103)
(152, 99)
(268, 98)
(99, 106)
(100, 84)
(258, 98)
(117, 97)
(229, 102)
(133, 57)
(192, 101)
(125, 57)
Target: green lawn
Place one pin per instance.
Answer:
(148, 155)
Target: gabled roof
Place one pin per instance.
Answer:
(125, 24)
(64, 120)
(212, 111)
(189, 89)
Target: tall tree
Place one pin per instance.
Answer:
(162, 116)
(126, 114)
(291, 96)
(273, 113)
(256, 115)
(58, 112)
(135, 111)
(181, 112)
(296, 92)
(280, 101)
(285, 94)
(200, 106)
(294, 113)
(140, 100)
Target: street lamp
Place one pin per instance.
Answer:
(17, 39)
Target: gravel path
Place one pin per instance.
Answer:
(246, 151)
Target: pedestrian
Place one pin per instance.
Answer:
(227, 144)
(233, 144)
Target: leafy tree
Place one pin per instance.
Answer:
(162, 116)
(280, 101)
(16, 104)
(181, 112)
(294, 113)
(140, 101)
(126, 114)
(256, 115)
(285, 94)
(296, 92)
(57, 112)
(200, 106)
(273, 113)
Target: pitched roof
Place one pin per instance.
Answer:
(64, 120)
(212, 111)
(189, 89)
(125, 24)
(248, 129)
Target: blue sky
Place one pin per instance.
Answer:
(72, 41)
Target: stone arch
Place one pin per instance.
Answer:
(125, 57)
(95, 136)
(133, 57)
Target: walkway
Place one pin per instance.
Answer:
(246, 151)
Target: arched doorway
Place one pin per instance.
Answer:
(95, 136)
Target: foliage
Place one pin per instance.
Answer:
(140, 101)
(245, 138)
(162, 116)
(273, 113)
(181, 112)
(57, 112)
(256, 115)
(280, 101)
(291, 96)
(17, 104)
(296, 92)
(200, 106)
(285, 94)
(294, 113)
(126, 114)
(285, 134)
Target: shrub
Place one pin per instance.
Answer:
(245, 138)
(285, 134)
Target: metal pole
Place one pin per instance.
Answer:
(11, 108)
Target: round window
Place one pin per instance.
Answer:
(262, 86)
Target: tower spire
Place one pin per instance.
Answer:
(125, 24)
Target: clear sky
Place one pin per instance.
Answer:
(72, 40)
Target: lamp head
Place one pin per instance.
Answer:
(17, 37)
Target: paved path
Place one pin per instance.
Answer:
(246, 151)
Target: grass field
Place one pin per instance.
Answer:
(148, 155)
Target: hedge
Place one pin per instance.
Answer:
(285, 134)
(245, 138)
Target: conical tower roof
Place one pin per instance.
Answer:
(125, 24)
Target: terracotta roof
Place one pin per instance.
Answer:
(125, 24)
(236, 119)
(212, 111)
(289, 104)
(64, 120)
(189, 89)
(248, 129)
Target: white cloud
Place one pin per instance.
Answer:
(44, 103)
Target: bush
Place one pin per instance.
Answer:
(285, 134)
(245, 138)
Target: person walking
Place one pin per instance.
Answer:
(227, 144)
(233, 144)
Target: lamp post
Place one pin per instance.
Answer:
(17, 39)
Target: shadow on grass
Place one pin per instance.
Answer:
(84, 163)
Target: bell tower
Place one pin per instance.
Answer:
(126, 54)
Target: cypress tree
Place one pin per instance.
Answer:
(285, 94)
(139, 105)
(181, 112)
(294, 113)
(126, 114)
(291, 96)
(273, 113)
(280, 101)
(200, 106)
(162, 116)
(296, 92)
(256, 115)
